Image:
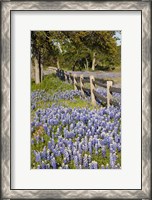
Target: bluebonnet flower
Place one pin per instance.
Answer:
(85, 161)
(43, 165)
(49, 144)
(103, 151)
(76, 161)
(53, 163)
(42, 139)
(90, 147)
(44, 153)
(38, 157)
(37, 139)
(95, 164)
(89, 158)
(32, 141)
(48, 166)
(119, 147)
(80, 158)
(74, 132)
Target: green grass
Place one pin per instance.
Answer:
(76, 103)
(51, 84)
(72, 165)
(118, 158)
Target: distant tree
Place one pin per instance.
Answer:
(117, 59)
(75, 49)
(96, 44)
(57, 42)
(39, 48)
(102, 44)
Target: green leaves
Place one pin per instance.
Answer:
(72, 48)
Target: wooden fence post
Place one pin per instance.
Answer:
(65, 76)
(109, 94)
(70, 78)
(75, 82)
(82, 85)
(92, 87)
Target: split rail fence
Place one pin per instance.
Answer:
(79, 84)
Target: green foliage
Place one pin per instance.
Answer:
(75, 49)
(51, 84)
(118, 158)
(59, 160)
(72, 165)
(76, 103)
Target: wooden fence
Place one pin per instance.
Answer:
(79, 84)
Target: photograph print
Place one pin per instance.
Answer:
(76, 100)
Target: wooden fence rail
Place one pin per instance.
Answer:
(79, 82)
(86, 80)
(99, 84)
(114, 89)
(102, 98)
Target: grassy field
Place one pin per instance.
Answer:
(51, 85)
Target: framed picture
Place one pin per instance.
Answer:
(75, 80)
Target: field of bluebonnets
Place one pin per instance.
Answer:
(68, 133)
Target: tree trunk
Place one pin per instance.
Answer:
(93, 61)
(41, 72)
(87, 64)
(32, 70)
(58, 64)
(37, 71)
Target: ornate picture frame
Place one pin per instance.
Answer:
(7, 7)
